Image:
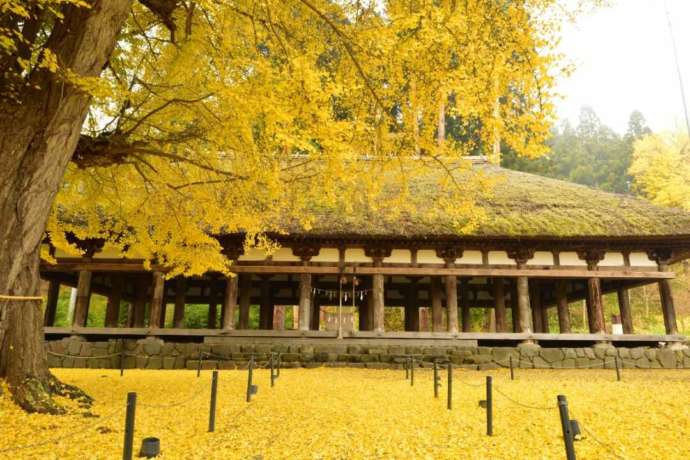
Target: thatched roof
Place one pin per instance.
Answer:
(519, 205)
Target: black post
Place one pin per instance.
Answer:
(212, 414)
(436, 382)
(489, 408)
(250, 369)
(129, 426)
(406, 365)
(512, 373)
(411, 372)
(567, 429)
(618, 369)
(122, 358)
(198, 366)
(450, 385)
(272, 371)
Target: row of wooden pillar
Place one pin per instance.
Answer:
(529, 313)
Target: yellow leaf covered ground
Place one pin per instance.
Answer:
(357, 413)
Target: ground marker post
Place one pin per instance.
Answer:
(489, 407)
(437, 380)
(512, 373)
(411, 372)
(567, 427)
(212, 412)
(618, 369)
(406, 365)
(129, 426)
(122, 357)
(450, 386)
(272, 371)
(251, 388)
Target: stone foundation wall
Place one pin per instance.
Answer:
(151, 353)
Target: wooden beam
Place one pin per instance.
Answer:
(266, 306)
(549, 272)
(412, 308)
(536, 305)
(465, 306)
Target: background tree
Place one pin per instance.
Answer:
(180, 120)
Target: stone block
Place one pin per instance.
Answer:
(306, 349)
(569, 353)
(642, 363)
(525, 364)
(141, 361)
(551, 355)
(227, 365)
(541, 363)
(396, 350)
(74, 346)
(487, 366)
(528, 350)
(289, 357)
(666, 358)
(650, 353)
(306, 357)
(312, 365)
(637, 352)
(368, 358)
(168, 362)
(477, 359)
(484, 350)
(583, 362)
(589, 353)
(623, 353)
(281, 348)
(152, 346)
(377, 351)
(377, 366)
(263, 348)
(567, 363)
(155, 362)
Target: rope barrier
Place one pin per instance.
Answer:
(20, 297)
(83, 430)
(89, 357)
(527, 406)
(608, 447)
(195, 395)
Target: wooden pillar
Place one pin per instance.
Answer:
(624, 309)
(245, 282)
(304, 301)
(412, 307)
(514, 308)
(465, 306)
(499, 304)
(536, 305)
(51, 303)
(544, 312)
(315, 318)
(595, 310)
(139, 304)
(156, 308)
(112, 310)
(378, 302)
(81, 308)
(452, 304)
(524, 314)
(562, 306)
(266, 305)
(436, 306)
(180, 291)
(667, 307)
(230, 302)
(278, 318)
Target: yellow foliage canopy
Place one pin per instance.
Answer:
(215, 116)
(661, 169)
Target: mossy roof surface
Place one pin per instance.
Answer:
(517, 205)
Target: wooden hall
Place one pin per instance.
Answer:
(542, 245)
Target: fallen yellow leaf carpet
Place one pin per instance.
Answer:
(332, 413)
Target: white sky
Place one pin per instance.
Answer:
(624, 61)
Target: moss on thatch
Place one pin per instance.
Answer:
(517, 205)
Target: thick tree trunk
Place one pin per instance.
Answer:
(38, 136)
